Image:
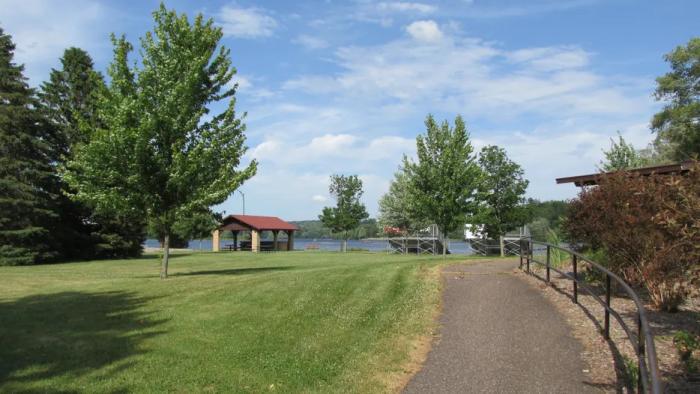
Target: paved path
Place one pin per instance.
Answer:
(499, 335)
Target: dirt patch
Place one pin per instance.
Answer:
(606, 359)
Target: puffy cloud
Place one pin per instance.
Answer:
(319, 198)
(246, 22)
(426, 31)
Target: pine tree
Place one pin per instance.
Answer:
(71, 103)
(26, 171)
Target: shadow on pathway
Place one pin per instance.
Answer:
(498, 334)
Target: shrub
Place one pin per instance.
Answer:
(686, 343)
(648, 227)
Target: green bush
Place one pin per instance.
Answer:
(686, 343)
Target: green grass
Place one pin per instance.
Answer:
(226, 322)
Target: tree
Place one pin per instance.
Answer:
(622, 156)
(444, 180)
(501, 193)
(349, 211)
(71, 96)
(677, 126)
(160, 151)
(70, 101)
(27, 178)
(197, 225)
(396, 207)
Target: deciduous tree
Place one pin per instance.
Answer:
(349, 211)
(678, 123)
(501, 193)
(445, 178)
(160, 151)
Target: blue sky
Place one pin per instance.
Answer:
(343, 87)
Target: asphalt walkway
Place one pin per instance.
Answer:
(499, 335)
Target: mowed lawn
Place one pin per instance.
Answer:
(223, 322)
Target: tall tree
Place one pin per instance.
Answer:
(396, 207)
(71, 96)
(70, 99)
(349, 211)
(160, 150)
(445, 178)
(27, 178)
(677, 126)
(501, 193)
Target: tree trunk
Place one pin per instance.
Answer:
(444, 245)
(166, 256)
(345, 245)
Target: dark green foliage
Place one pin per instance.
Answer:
(27, 181)
(678, 124)
(445, 179)
(349, 211)
(545, 216)
(501, 193)
(70, 99)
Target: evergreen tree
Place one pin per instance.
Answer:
(71, 99)
(159, 152)
(26, 172)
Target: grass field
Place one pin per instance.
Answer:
(226, 322)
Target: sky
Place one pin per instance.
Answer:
(343, 87)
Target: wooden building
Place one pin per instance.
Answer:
(255, 225)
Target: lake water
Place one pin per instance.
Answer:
(455, 247)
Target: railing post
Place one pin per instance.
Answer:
(529, 254)
(548, 254)
(521, 253)
(640, 348)
(575, 259)
(607, 303)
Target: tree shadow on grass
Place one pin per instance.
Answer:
(235, 271)
(70, 334)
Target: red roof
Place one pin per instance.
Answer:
(260, 223)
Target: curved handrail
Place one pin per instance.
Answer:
(649, 380)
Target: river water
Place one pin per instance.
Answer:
(455, 246)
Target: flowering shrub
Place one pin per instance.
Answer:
(649, 228)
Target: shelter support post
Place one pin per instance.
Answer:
(275, 236)
(254, 241)
(235, 240)
(215, 240)
(290, 240)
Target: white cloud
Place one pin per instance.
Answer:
(426, 31)
(310, 42)
(43, 29)
(319, 198)
(246, 22)
(404, 6)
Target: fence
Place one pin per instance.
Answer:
(643, 342)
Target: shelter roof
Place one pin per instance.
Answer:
(259, 223)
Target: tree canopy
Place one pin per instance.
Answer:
(677, 125)
(396, 207)
(27, 177)
(501, 193)
(159, 150)
(445, 178)
(349, 210)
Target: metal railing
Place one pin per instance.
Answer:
(643, 342)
